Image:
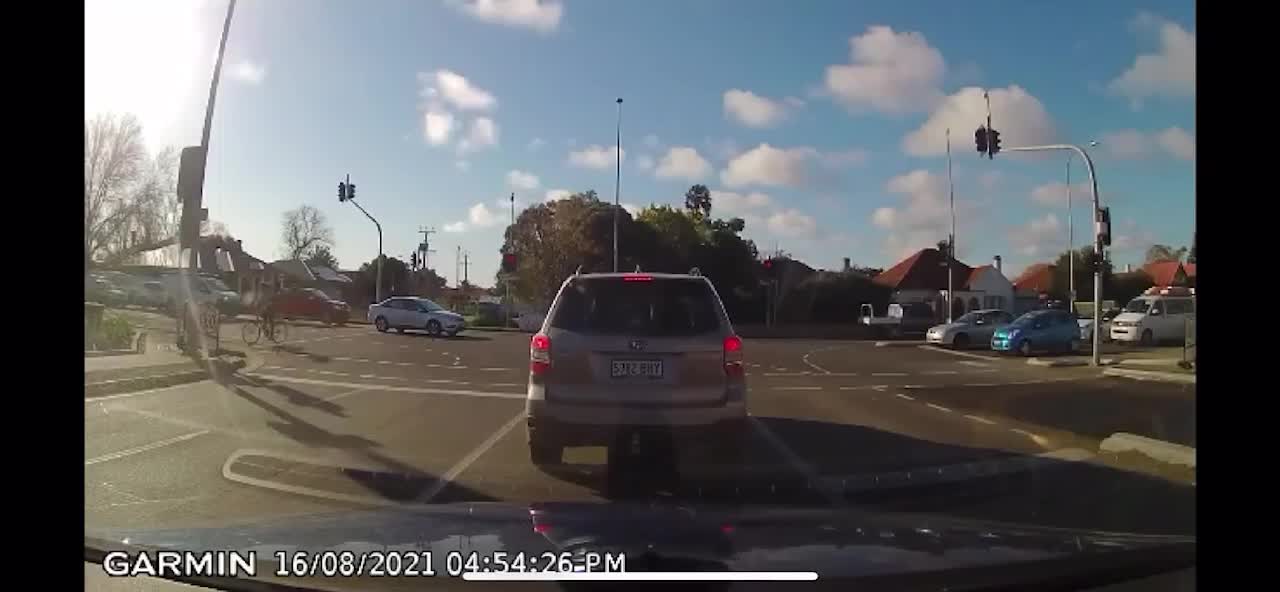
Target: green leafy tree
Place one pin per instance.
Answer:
(321, 255)
(1159, 252)
(697, 201)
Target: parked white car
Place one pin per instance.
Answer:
(411, 312)
(1158, 315)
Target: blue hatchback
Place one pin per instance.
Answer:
(1037, 331)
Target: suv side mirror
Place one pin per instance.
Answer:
(979, 321)
(1155, 312)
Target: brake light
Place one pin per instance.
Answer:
(637, 278)
(733, 356)
(539, 354)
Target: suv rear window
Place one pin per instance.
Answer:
(655, 308)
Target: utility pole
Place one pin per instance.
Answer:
(425, 247)
(466, 266)
(457, 267)
(951, 241)
(510, 300)
(617, 184)
(347, 193)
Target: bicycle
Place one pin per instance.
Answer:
(253, 330)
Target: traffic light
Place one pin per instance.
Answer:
(994, 148)
(980, 138)
(767, 264)
(1104, 226)
(342, 191)
(508, 262)
(413, 260)
(351, 190)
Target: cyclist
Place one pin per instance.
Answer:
(267, 312)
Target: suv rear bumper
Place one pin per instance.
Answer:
(724, 425)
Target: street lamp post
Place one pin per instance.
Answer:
(617, 184)
(951, 241)
(1097, 237)
(377, 289)
(1071, 242)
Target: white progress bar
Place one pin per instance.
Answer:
(645, 576)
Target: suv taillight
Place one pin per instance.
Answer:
(733, 356)
(539, 354)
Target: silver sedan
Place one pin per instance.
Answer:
(974, 328)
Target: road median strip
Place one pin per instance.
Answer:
(1174, 377)
(1168, 452)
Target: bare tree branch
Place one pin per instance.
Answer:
(303, 230)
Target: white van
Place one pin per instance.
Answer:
(1160, 314)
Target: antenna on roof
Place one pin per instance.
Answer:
(695, 271)
(637, 268)
(578, 271)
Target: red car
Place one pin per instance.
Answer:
(310, 303)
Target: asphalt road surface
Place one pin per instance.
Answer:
(348, 418)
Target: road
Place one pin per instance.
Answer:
(345, 418)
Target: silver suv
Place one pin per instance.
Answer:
(624, 353)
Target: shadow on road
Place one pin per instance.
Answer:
(867, 468)
(393, 480)
(412, 333)
(300, 351)
(301, 399)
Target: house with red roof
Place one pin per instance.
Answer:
(1171, 273)
(922, 277)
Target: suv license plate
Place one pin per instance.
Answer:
(635, 368)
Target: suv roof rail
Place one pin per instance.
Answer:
(578, 271)
(695, 271)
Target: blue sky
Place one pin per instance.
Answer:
(820, 123)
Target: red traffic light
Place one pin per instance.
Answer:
(768, 263)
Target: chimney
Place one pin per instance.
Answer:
(846, 264)
(996, 264)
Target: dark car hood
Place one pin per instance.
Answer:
(843, 543)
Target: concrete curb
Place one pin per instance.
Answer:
(904, 343)
(1151, 375)
(1066, 362)
(1158, 449)
(202, 371)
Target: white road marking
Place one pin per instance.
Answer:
(939, 407)
(368, 376)
(144, 448)
(888, 373)
(141, 393)
(345, 394)
(455, 367)
(913, 386)
(384, 361)
(799, 464)
(797, 388)
(941, 372)
(902, 396)
(471, 457)
(975, 363)
(805, 359)
(404, 363)
(980, 419)
(393, 388)
(787, 373)
(343, 358)
(495, 369)
(957, 353)
(404, 347)
(980, 384)
(505, 384)
(1037, 438)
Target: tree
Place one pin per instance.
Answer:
(113, 159)
(697, 200)
(1164, 253)
(1191, 255)
(303, 230)
(321, 256)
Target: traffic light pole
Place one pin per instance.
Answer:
(1098, 247)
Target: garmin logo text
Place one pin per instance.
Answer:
(168, 564)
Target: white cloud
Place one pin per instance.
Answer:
(247, 71)
(766, 165)
(462, 165)
(792, 223)
(455, 227)
(522, 180)
(889, 71)
(537, 143)
(683, 162)
(1127, 143)
(644, 162)
(652, 141)
(456, 90)
(1178, 142)
(540, 15)
(557, 194)
(1039, 236)
(1170, 72)
(1055, 194)
(737, 204)
(1019, 116)
(752, 110)
(482, 134)
(481, 216)
(1135, 144)
(631, 208)
(924, 218)
(437, 126)
(596, 157)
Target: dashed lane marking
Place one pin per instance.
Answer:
(980, 419)
(878, 387)
(902, 396)
(939, 407)
(939, 372)
(144, 448)
(787, 373)
(888, 373)
(975, 363)
(496, 369)
(797, 388)
(503, 384)
(394, 388)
